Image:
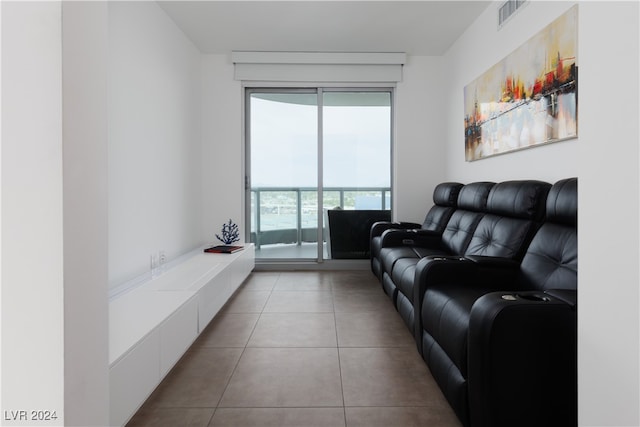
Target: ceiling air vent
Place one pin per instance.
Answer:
(508, 9)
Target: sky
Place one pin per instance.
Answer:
(284, 145)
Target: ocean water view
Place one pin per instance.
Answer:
(280, 210)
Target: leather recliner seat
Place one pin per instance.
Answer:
(401, 249)
(499, 336)
(445, 200)
(513, 213)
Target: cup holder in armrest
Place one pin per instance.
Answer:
(535, 297)
(529, 297)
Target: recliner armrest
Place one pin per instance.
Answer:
(522, 360)
(413, 237)
(409, 225)
(568, 296)
(494, 262)
(464, 269)
(495, 270)
(380, 227)
(443, 269)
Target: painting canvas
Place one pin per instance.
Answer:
(529, 98)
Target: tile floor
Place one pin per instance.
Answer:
(301, 349)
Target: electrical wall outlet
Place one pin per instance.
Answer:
(154, 264)
(162, 260)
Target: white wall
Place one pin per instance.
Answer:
(86, 323)
(478, 49)
(222, 147)
(604, 157)
(419, 155)
(32, 233)
(154, 139)
(608, 217)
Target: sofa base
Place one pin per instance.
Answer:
(451, 382)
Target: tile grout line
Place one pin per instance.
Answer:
(335, 324)
(233, 371)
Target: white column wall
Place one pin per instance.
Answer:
(86, 347)
(32, 212)
(608, 228)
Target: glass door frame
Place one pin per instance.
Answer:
(319, 91)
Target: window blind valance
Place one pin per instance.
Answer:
(345, 67)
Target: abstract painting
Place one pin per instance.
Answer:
(530, 98)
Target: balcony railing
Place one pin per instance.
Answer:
(290, 215)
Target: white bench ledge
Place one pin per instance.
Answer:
(155, 322)
(133, 316)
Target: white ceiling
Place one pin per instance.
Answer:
(415, 27)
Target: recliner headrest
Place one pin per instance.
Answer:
(446, 194)
(562, 202)
(474, 196)
(519, 199)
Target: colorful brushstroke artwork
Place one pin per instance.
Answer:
(529, 98)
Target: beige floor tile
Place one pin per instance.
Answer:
(172, 417)
(294, 330)
(359, 301)
(402, 417)
(299, 302)
(373, 329)
(303, 281)
(198, 379)
(245, 301)
(386, 377)
(261, 281)
(355, 281)
(291, 373)
(278, 417)
(285, 377)
(228, 330)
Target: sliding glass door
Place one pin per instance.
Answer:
(356, 169)
(314, 157)
(283, 157)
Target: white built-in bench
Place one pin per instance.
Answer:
(151, 326)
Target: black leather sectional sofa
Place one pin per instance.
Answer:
(488, 287)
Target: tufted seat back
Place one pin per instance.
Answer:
(472, 203)
(514, 209)
(445, 201)
(551, 262)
